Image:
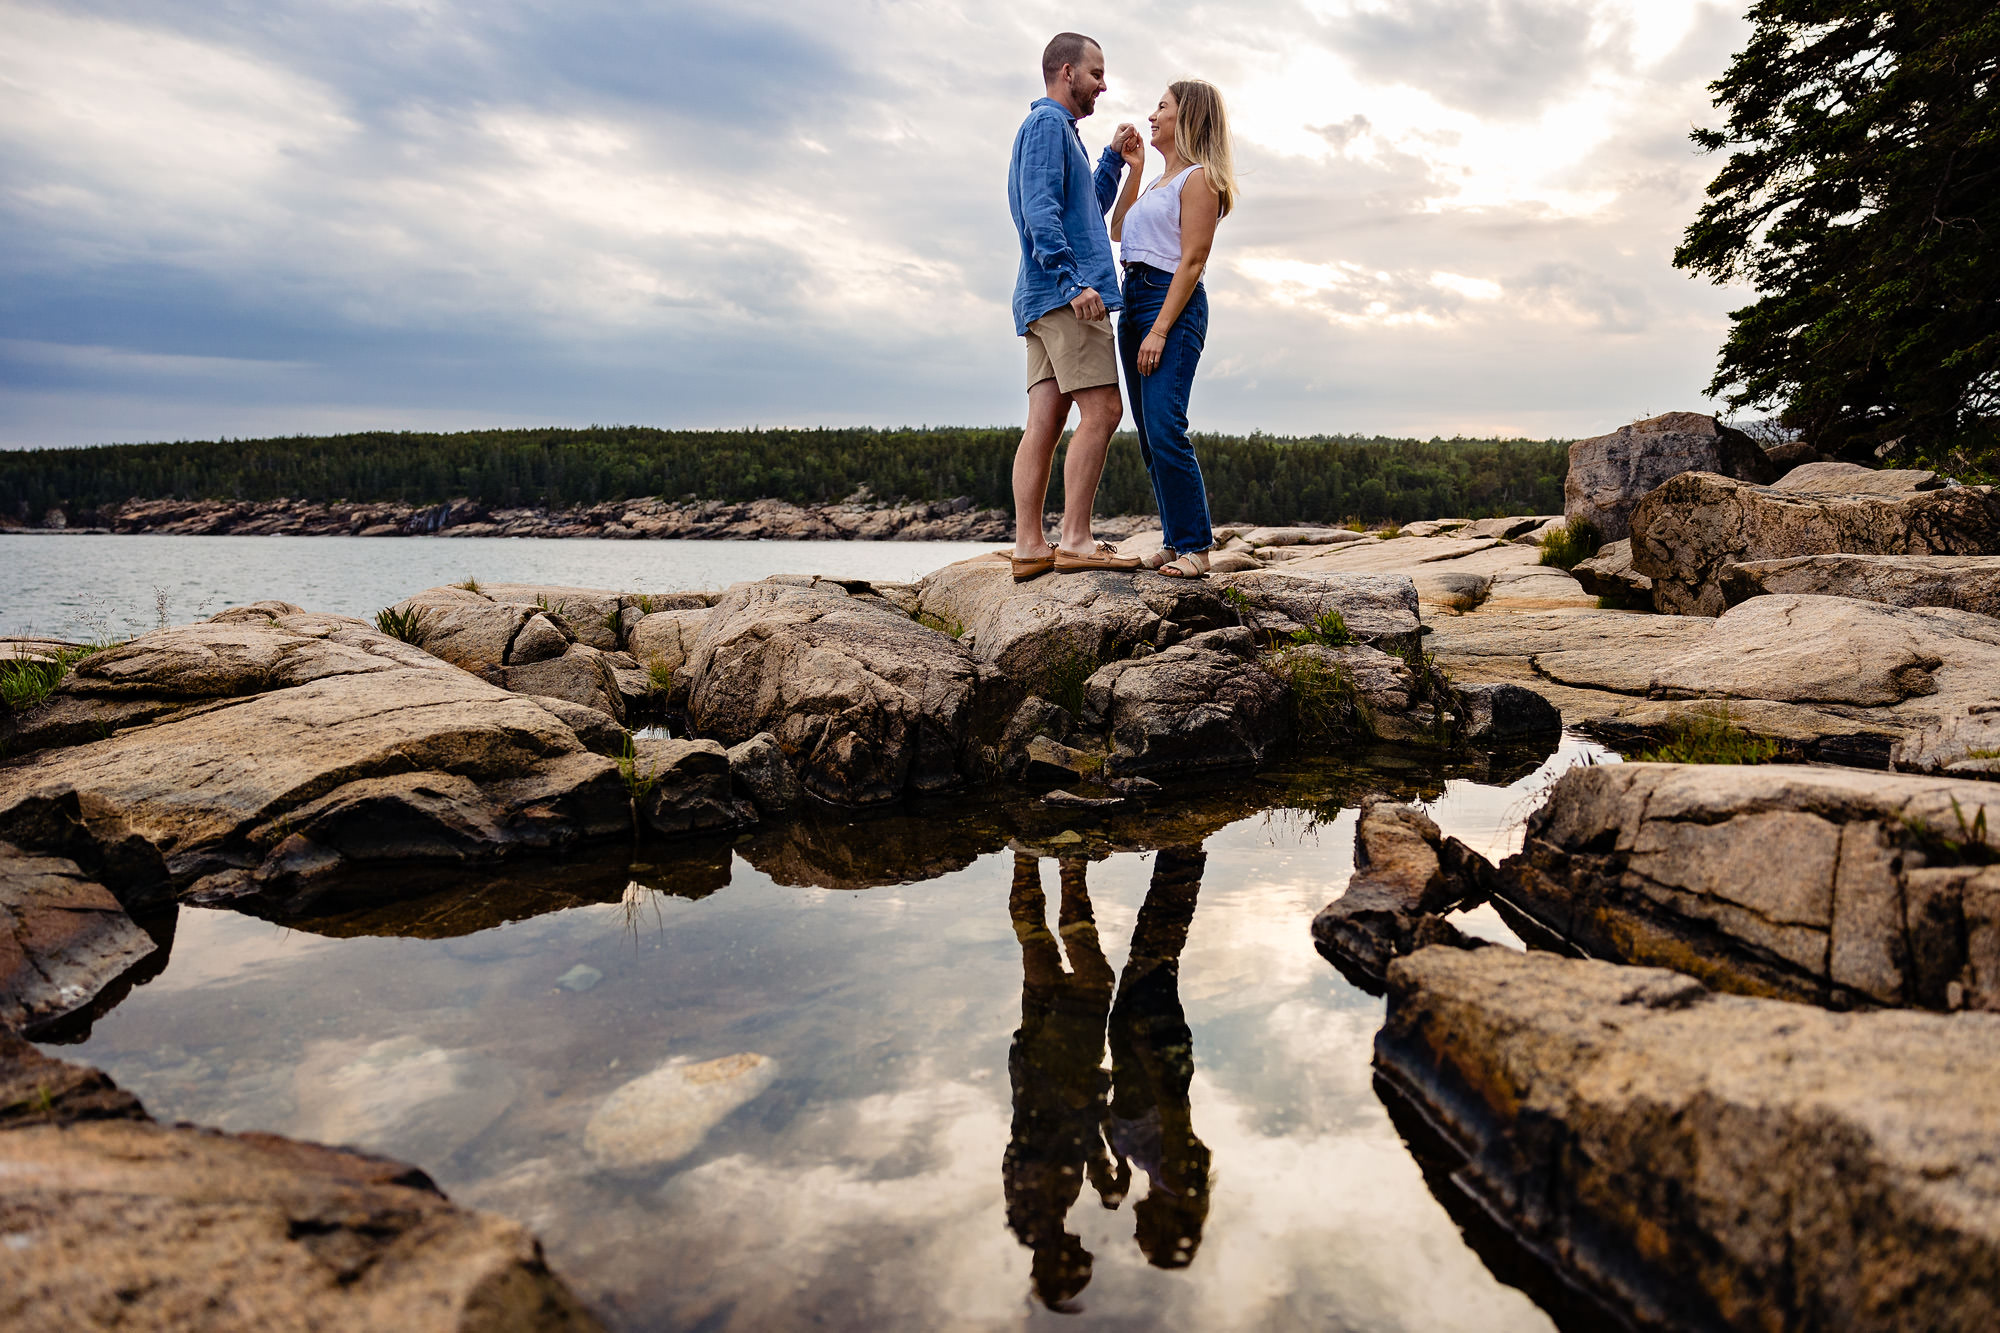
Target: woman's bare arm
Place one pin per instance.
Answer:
(1133, 149)
(1199, 210)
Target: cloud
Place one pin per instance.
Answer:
(697, 214)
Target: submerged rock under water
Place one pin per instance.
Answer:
(663, 1116)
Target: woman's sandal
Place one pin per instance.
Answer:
(1154, 559)
(1193, 565)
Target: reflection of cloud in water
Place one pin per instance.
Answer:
(832, 1218)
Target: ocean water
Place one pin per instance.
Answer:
(96, 586)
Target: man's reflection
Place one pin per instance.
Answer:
(1059, 1083)
(1070, 1118)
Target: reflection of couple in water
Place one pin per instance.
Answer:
(1070, 1118)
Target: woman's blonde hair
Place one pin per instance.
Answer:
(1201, 136)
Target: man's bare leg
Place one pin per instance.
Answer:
(1048, 412)
(1098, 412)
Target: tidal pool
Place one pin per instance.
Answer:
(982, 1065)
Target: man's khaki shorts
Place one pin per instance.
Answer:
(1074, 354)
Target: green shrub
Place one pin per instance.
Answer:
(408, 625)
(1707, 736)
(1329, 627)
(1571, 544)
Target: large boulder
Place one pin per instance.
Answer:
(1966, 582)
(63, 938)
(1034, 631)
(1380, 610)
(1042, 628)
(308, 746)
(866, 704)
(1803, 883)
(1610, 474)
(1708, 1161)
(1206, 703)
(1686, 534)
(115, 1221)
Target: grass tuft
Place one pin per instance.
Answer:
(408, 625)
(1063, 681)
(1324, 703)
(1390, 531)
(1571, 544)
(661, 674)
(26, 682)
(1970, 847)
(1707, 736)
(639, 782)
(644, 601)
(470, 585)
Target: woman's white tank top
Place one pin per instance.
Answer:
(1152, 229)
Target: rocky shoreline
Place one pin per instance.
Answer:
(858, 518)
(1739, 1080)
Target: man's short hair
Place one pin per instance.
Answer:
(1065, 48)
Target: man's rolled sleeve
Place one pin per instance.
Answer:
(1110, 166)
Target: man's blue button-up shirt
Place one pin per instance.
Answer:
(1059, 206)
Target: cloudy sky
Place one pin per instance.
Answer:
(237, 217)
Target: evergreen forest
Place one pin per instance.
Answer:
(1259, 478)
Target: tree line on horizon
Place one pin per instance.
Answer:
(1257, 477)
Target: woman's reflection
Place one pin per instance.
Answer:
(1070, 1118)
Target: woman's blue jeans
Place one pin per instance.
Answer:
(1160, 401)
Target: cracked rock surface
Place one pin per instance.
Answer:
(287, 749)
(1710, 1161)
(1687, 533)
(1814, 884)
(63, 938)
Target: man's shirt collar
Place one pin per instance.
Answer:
(1067, 114)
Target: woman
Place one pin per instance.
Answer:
(1164, 235)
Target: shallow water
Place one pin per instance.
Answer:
(93, 586)
(1010, 1061)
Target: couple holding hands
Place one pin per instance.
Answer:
(1068, 286)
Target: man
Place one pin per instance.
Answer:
(1062, 299)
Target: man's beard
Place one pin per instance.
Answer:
(1088, 104)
